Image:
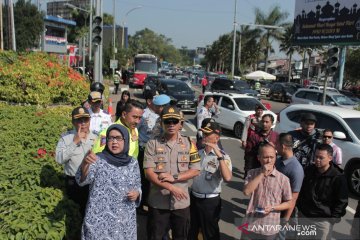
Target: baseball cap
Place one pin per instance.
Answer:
(95, 96)
(308, 117)
(161, 100)
(211, 127)
(170, 112)
(80, 112)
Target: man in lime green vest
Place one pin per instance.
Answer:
(130, 118)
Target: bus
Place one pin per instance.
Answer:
(144, 65)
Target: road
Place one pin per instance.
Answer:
(234, 202)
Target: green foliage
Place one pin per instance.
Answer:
(352, 73)
(32, 204)
(28, 25)
(39, 78)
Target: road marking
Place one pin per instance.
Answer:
(350, 210)
(191, 126)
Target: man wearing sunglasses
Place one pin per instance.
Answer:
(328, 139)
(170, 161)
(70, 151)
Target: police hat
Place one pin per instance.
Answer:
(308, 117)
(211, 127)
(80, 112)
(170, 112)
(95, 97)
(206, 121)
(161, 100)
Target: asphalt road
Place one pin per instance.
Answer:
(233, 200)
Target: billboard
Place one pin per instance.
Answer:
(318, 22)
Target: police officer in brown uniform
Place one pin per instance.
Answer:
(170, 161)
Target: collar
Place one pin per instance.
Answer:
(274, 172)
(178, 140)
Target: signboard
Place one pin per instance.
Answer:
(320, 22)
(113, 64)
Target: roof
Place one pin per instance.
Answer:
(329, 93)
(231, 94)
(341, 112)
(59, 20)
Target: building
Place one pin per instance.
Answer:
(58, 8)
(108, 36)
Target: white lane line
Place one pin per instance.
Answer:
(350, 210)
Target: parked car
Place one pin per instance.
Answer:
(185, 79)
(234, 108)
(184, 95)
(152, 83)
(282, 91)
(321, 88)
(250, 92)
(222, 84)
(240, 85)
(350, 95)
(346, 127)
(304, 95)
(265, 89)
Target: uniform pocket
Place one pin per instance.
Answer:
(183, 162)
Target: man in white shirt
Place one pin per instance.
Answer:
(99, 119)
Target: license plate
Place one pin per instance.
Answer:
(185, 106)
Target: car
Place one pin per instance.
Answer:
(234, 109)
(184, 78)
(240, 85)
(350, 95)
(312, 96)
(265, 89)
(220, 84)
(185, 97)
(151, 84)
(282, 91)
(345, 124)
(250, 92)
(321, 88)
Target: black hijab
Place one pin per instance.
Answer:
(122, 158)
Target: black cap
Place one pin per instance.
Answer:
(211, 127)
(308, 117)
(206, 121)
(170, 112)
(97, 87)
(80, 112)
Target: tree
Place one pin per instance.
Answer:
(275, 17)
(108, 19)
(250, 48)
(29, 24)
(287, 45)
(352, 73)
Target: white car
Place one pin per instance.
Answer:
(346, 126)
(321, 88)
(234, 108)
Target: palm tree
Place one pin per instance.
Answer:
(287, 45)
(275, 17)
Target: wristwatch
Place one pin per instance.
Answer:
(176, 176)
(272, 209)
(220, 158)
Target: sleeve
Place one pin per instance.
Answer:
(137, 184)
(91, 174)
(100, 142)
(228, 161)
(194, 157)
(340, 198)
(296, 179)
(200, 118)
(246, 129)
(64, 151)
(149, 155)
(286, 191)
(250, 176)
(338, 156)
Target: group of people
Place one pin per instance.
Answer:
(142, 162)
(293, 179)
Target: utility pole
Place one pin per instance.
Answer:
(234, 45)
(90, 32)
(98, 46)
(12, 24)
(114, 48)
(1, 26)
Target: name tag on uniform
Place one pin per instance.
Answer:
(160, 167)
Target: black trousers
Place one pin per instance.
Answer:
(78, 194)
(116, 87)
(205, 215)
(159, 221)
(145, 184)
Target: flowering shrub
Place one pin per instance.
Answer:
(32, 185)
(38, 78)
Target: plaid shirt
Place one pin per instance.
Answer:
(271, 191)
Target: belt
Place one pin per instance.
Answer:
(205, 195)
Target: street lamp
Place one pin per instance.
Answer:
(123, 21)
(234, 45)
(69, 5)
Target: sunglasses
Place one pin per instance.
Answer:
(171, 121)
(327, 136)
(113, 139)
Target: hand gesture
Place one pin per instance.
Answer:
(178, 193)
(266, 169)
(166, 177)
(133, 195)
(80, 135)
(90, 157)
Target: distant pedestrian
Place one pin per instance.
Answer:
(116, 83)
(125, 97)
(327, 137)
(204, 83)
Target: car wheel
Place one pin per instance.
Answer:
(283, 99)
(238, 129)
(271, 97)
(353, 178)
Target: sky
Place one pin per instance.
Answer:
(191, 23)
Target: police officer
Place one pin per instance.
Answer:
(70, 151)
(99, 119)
(170, 161)
(205, 198)
(306, 139)
(146, 127)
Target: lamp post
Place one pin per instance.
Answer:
(123, 21)
(234, 45)
(69, 5)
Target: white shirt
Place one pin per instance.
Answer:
(99, 121)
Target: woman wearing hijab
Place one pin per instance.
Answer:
(125, 97)
(115, 189)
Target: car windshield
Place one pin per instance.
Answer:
(343, 100)
(291, 89)
(241, 85)
(354, 125)
(179, 87)
(247, 104)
